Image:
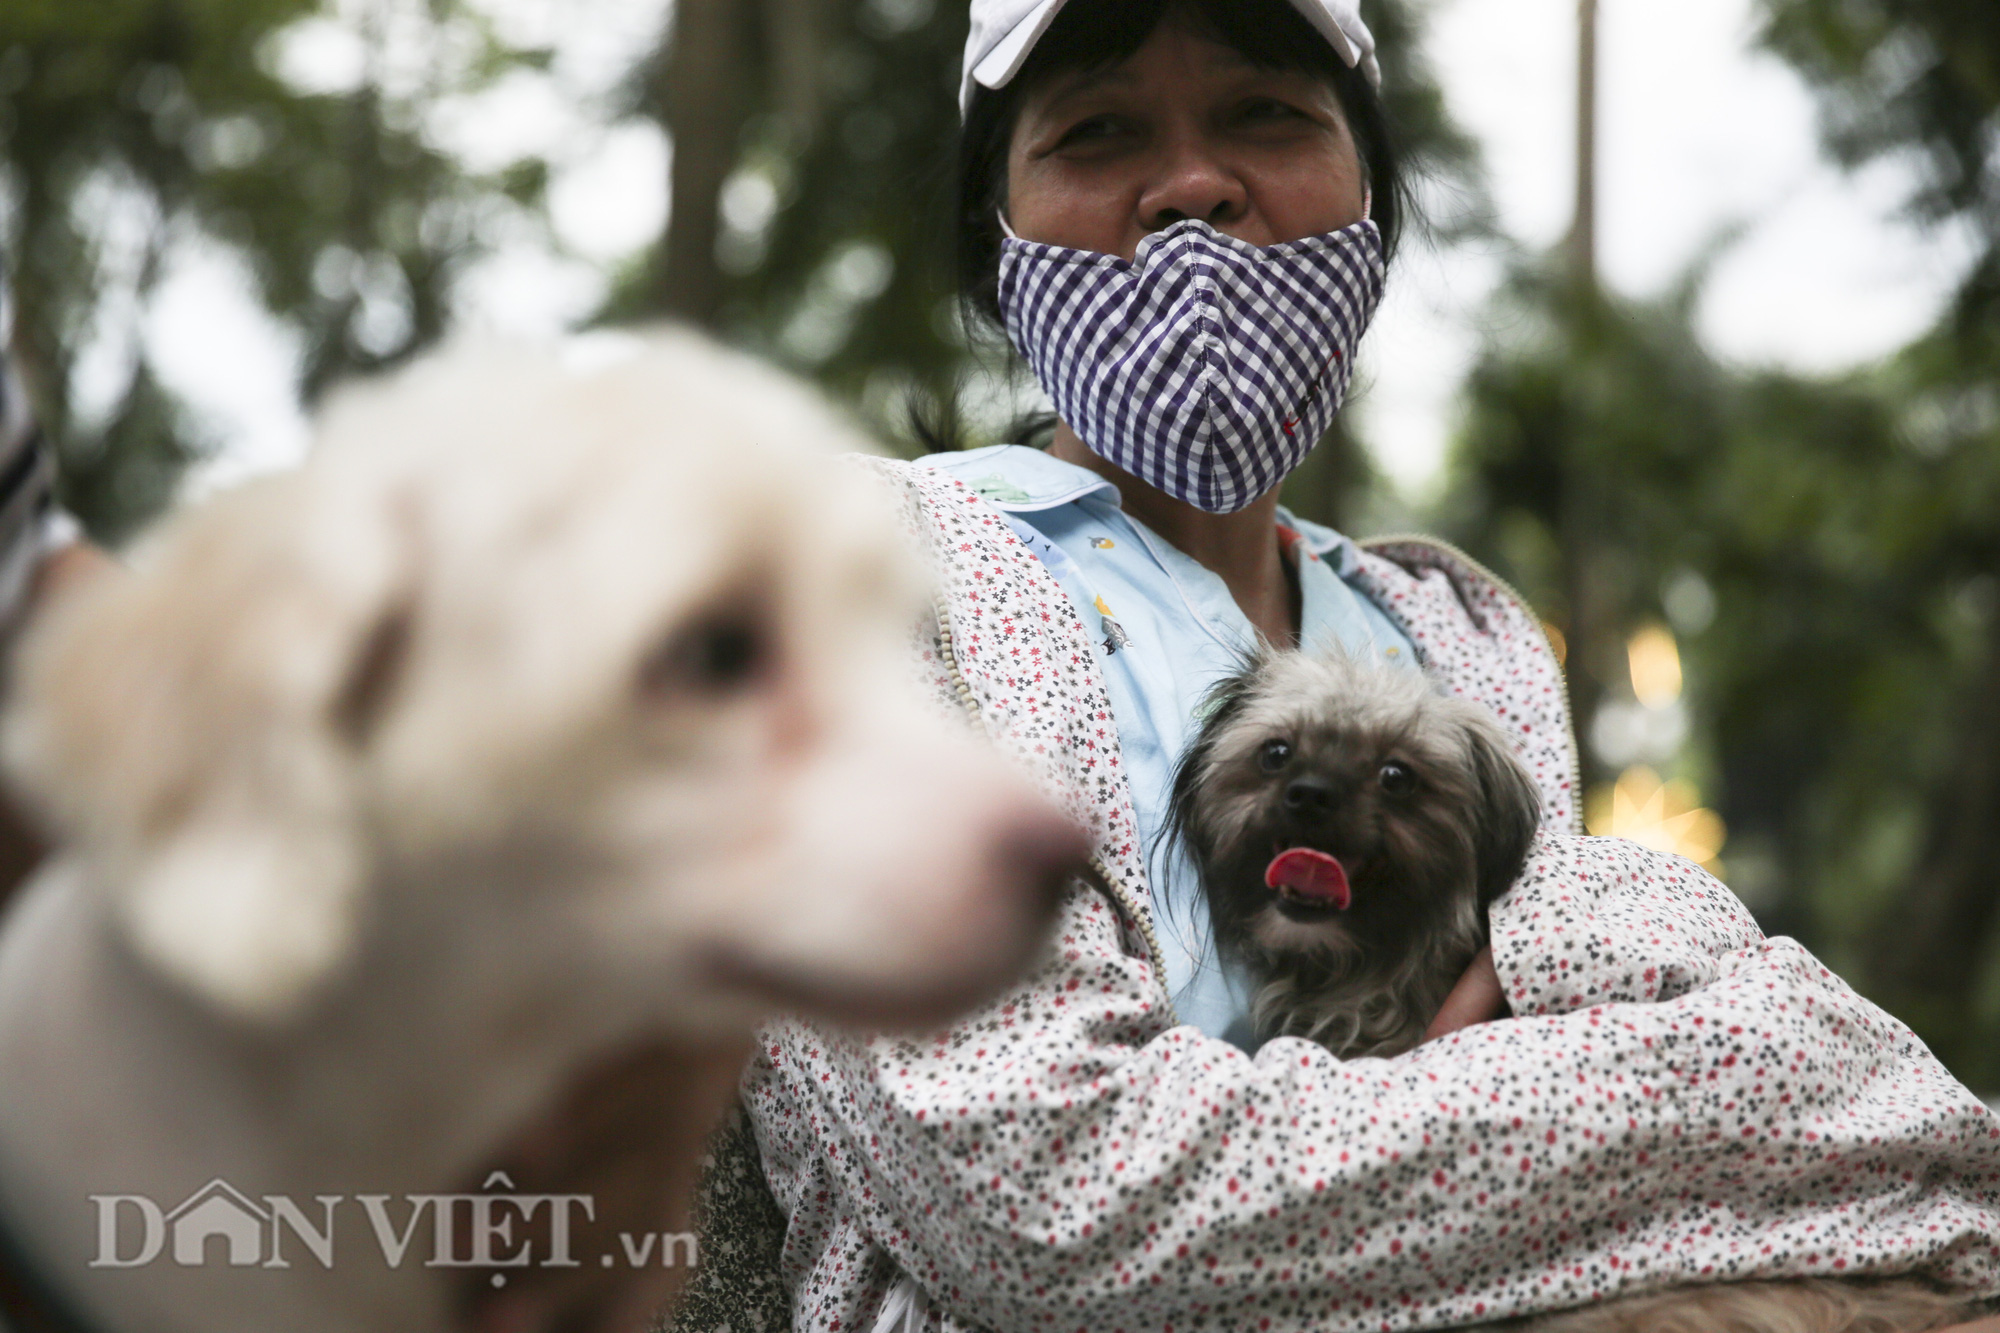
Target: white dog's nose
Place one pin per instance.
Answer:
(920, 881)
(1035, 857)
(996, 859)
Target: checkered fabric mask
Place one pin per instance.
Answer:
(1206, 366)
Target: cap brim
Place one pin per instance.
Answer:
(1324, 23)
(999, 66)
(1004, 61)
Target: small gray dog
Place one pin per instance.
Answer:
(1350, 826)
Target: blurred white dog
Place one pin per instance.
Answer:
(462, 802)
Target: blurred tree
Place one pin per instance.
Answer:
(1829, 548)
(1920, 80)
(812, 186)
(1449, 205)
(136, 129)
(1547, 418)
(812, 145)
(1587, 423)
(1915, 79)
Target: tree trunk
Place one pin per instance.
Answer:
(797, 32)
(706, 91)
(1583, 234)
(1579, 514)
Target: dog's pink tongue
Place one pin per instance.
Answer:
(1311, 874)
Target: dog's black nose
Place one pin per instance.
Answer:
(1309, 796)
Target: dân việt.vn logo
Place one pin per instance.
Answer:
(496, 1229)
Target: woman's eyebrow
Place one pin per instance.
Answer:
(1077, 83)
(1083, 81)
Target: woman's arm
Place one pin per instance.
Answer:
(1604, 921)
(1064, 1161)
(1582, 928)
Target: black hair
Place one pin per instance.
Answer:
(1096, 34)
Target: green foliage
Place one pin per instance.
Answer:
(1917, 79)
(852, 281)
(159, 118)
(1449, 204)
(1898, 75)
(1847, 690)
(1441, 159)
(835, 250)
(1849, 530)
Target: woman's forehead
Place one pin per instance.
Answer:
(1132, 72)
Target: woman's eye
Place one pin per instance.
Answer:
(1264, 109)
(1398, 780)
(719, 655)
(1094, 130)
(1274, 756)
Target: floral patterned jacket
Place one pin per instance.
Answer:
(1678, 1100)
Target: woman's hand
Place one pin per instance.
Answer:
(1477, 998)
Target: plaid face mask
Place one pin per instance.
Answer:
(1205, 365)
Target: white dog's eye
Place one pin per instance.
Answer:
(713, 656)
(1274, 756)
(1398, 780)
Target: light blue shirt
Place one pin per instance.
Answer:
(1169, 633)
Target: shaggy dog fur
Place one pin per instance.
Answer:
(461, 803)
(1417, 794)
(1420, 797)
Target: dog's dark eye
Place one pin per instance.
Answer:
(1274, 756)
(1398, 780)
(713, 656)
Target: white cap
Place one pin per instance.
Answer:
(1004, 34)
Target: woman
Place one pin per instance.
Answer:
(1180, 210)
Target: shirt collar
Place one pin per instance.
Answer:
(1338, 551)
(1016, 479)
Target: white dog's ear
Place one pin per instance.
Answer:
(193, 730)
(249, 917)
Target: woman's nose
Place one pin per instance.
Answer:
(1194, 185)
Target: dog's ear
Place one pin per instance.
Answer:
(1510, 805)
(192, 730)
(1220, 708)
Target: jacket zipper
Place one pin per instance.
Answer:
(1098, 875)
(1562, 671)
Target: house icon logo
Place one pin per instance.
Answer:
(219, 1211)
(220, 1226)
